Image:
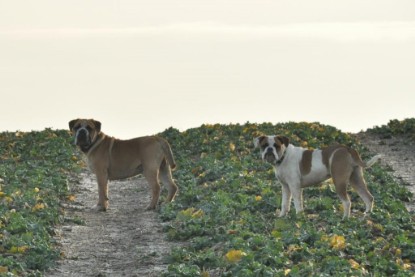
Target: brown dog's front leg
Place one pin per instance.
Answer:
(102, 204)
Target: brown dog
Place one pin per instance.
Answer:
(114, 159)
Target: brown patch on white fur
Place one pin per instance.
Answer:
(262, 140)
(279, 143)
(356, 158)
(305, 163)
(283, 139)
(327, 153)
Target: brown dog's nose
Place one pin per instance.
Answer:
(82, 137)
(82, 134)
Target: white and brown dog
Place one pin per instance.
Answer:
(297, 168)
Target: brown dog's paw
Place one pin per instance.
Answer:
(151, 207)
(100, 207)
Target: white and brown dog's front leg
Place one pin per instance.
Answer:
(286, 200)
(288, 192)
(297, 194)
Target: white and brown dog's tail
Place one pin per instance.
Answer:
(358, 160)
(373, 160)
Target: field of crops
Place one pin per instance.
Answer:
(225, 213)
(404, 128)
(35, 169)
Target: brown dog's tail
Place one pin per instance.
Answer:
(358, 160)
(169, 154)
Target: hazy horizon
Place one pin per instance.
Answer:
(142, 67)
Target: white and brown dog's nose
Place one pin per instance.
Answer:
(270, 150)
(269, 155)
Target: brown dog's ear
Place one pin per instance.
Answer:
(283, 139)
(72, 123)
(258, 140)
(97, 125)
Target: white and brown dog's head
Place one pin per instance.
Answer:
(272, 148)
(85, 132)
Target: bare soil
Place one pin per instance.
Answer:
(398, 154)
(127, 240)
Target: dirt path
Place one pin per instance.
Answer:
(399, 154)
(126, 240)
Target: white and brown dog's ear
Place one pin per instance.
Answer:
(258, 140)
(72, 123)
(284, 140)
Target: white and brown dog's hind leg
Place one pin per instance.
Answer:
(286, 200)
(167, 180)
(341, 189)
(358, 183)
(341, 170)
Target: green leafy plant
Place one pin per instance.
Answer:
(404, 127)
(228, 198)
(34, 169)
(225, 211)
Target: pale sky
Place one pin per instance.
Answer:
(142, 66)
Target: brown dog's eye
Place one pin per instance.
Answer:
(264, 146)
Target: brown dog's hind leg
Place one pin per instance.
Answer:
(167, 180)
(152, 179)
(358, 183)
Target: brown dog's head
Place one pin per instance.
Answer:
(85, 132)
(272, 148)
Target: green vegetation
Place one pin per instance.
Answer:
(404, 127)
(225, 212)
(34, 171)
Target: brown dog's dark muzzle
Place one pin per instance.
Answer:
(82, 138)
